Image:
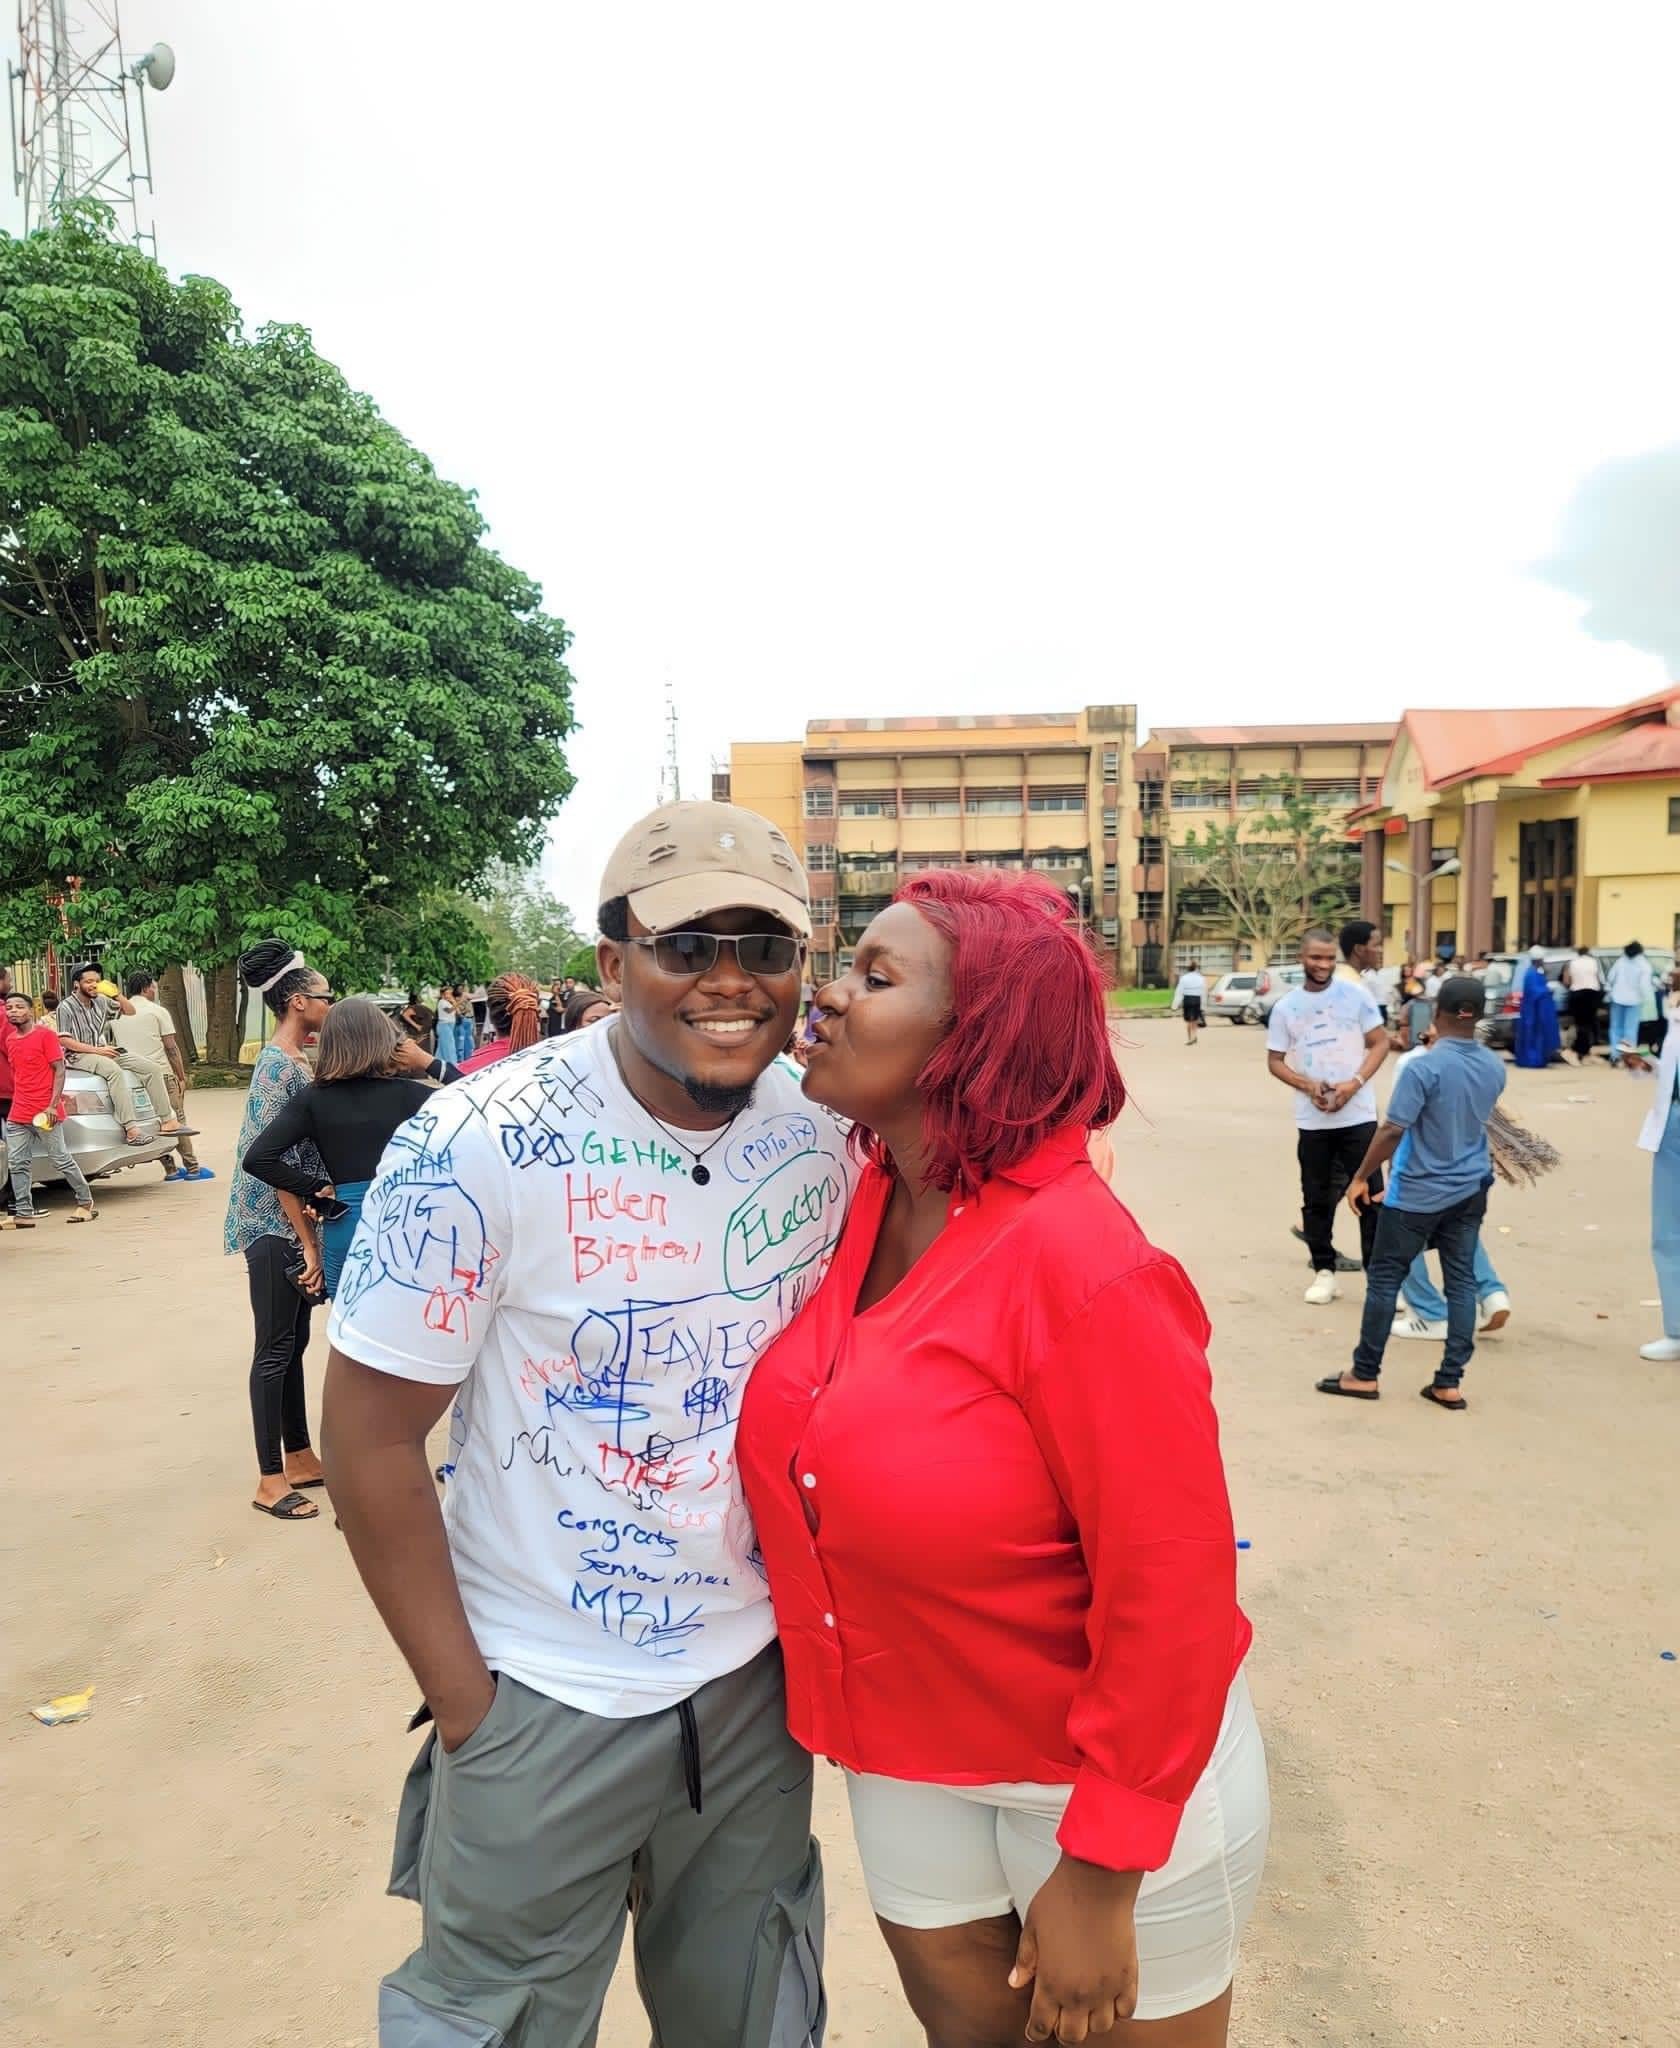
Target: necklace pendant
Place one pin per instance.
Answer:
(701, 1175)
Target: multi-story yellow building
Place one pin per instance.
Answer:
(1497, 830)
(1192, 776)
(869, 800)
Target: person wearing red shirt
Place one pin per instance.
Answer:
(36, 1060)
(984, 1468)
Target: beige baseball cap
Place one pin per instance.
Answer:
(687, 860)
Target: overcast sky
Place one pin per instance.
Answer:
(1236, 361)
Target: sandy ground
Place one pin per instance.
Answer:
(1471, 1729)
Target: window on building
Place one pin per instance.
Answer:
(994, 803)
(822, 967)
(1674, 814)
(867, 807)
(930, 807)
(1111, 822)
(1111, 878)
(1111, 931)
(1056, 800)
(819, 803)
(1058, 860)
(1201, 796)
(720, 785)
(819, 860)
(1111, 764)
(1498, 945)
(1151, 903)
(1150, 793)
(1150, 851)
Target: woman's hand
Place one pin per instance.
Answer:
(311, 1281)
(411, 1057)
(1079, 1952)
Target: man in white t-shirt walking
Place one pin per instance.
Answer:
(1325, 1040)
(148, 1033)
(585, 1247)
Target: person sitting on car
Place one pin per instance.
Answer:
(85, 1018)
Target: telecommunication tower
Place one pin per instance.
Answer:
(670, 781)
(78, 111)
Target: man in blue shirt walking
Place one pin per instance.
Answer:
(1435, 1131)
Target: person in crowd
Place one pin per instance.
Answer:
(1082, 1845)
(418, 1020)
(5, 1088)
(478, 1004)
(84, 1021)
(1630, 986)
(35, 1061)
(1660, 1136)
(1361, 947)
(1535, 1038)
(148, 1033)
(586, 1006)
(276, 1235)
(369, 1078)
(587, 1620)
(1435, 1131)
(1422, 1314)
(1188, 998)
(513, 1006)
(1584, 979)
(50, 1000)
(1417, 1012)
(449, 1047)
(554, 1011)
(1326, 1040)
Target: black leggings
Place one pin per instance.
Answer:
(281, 1314)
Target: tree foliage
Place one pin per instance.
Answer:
(1276, 871)
(259, 672)
(526, 927)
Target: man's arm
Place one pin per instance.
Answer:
(374, 1429)
(1379, 1152)
(105, 1052)
(1377, 1046)
(172, 1053)
(1279, 1069)
(58, 1071)
(125, 1007)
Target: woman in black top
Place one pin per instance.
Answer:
(369, 1078)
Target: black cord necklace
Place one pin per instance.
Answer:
(699, 1172)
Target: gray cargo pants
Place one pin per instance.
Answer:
(529, 1845)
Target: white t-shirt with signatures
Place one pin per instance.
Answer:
(536, 1238)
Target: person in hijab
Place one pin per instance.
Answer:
(1536, 1040)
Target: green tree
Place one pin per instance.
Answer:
(581, 964)
(528, 929)
(1273, 873)
(258, 671)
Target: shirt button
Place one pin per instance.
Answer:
(808, 1479)
(828, 1621)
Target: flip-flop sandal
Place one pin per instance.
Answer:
(82, 1216)
(299, 1484)
(1333, 1385)
(1452, 1407)
(290, 1507)
(21, 1222)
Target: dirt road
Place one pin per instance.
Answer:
(1472, 1731)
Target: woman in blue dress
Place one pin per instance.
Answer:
(1536, 1039)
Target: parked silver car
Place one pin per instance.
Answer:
(95, 1137)
(1231, 995)
(1273, 983)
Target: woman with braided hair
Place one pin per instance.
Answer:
(276, 1236)
(515, 1005)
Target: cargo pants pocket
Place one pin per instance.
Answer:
(412, 1809)
(785, 2004)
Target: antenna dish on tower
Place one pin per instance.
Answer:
(156, 68)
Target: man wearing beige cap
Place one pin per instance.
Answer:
(584, 1249)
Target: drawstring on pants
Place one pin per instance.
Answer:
(690, 1751)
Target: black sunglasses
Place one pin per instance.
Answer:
(690, 953)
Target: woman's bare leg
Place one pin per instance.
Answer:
(957, 1982)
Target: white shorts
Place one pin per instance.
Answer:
(942, 1855)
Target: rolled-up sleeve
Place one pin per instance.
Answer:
(1122, 1408)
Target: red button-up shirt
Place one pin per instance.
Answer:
(993, 1511)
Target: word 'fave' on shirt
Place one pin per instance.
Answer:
(535, 1238)
(1321, 1032)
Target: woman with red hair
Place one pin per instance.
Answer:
(985, 1471)
(515, 1005)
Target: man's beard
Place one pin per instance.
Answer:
(716, 1101)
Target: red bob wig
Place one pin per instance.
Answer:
(1027, 1052)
